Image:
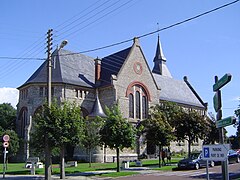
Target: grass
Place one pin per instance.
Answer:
(19, 169)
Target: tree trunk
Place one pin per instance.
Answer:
(90, 157)
(189, 148)
(138, 147)
(159, 156)
(62, 163)
(48, 168)
(118, 165)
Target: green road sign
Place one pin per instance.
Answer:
(217, 101)
(225, 122)
(221, 82)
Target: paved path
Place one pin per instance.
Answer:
(144, 173)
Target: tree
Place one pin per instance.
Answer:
(61, 124)
(91, 137)
(190, 126)
(158, 130)
(7, 116)
(237, 112)
(8, 126)
(170, 110)
(212, 133)
(117, 132)
(233, 140)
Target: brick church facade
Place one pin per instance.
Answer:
(122, 78)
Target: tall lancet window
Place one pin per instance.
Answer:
(23, 121)
(138, 105)
(131, 106)
(139, 98)
(144, 107)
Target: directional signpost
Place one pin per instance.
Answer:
(226, 122)
(221, 82)
(217, 101)
(220, 123)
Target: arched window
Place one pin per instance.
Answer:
(144, 107)
(138, 105)
(131, 106)
(23, 120)
(139, 97)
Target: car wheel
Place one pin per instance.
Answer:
(197, 166)
(238, 159)
(212, 164)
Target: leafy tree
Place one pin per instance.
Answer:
(233, 140)
(237, 112)
(158, 130)
(190, 126)
(170, 110)
(212, 132)
(117, 132)
(7, 116)
(91, 137)
(59, 125)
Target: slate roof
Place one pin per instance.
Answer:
(112, 64)
(75, 69)
(176, 91)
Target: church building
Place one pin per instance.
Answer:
(122, 78)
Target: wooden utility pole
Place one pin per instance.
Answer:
(48, 166)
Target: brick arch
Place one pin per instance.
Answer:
(139, 84)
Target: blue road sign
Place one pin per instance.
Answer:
(206, 153)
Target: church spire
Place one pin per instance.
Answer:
(159, 53)
(159, 60)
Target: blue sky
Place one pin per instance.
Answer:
(199, 49)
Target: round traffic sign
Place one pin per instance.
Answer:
(6, 137)
(5, 144)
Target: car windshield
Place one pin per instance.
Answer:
(194, 155)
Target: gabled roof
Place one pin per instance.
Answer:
(112, 64)
(69, 68)
(177, 91)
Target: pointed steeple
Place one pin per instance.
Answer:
(159, 60)
(159, 53)
(97, 108)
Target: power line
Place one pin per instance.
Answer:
(83, 17)
(104, 15)
(162, 29)
(153, 32)
(23, 58)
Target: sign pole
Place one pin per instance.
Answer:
(221, 137)
(4, 161)
(207, 171)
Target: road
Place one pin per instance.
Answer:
(215, 173)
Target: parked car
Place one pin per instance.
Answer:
(195, 161)
(233, 156)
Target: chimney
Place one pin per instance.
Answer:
(97, 70)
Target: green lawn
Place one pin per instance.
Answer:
(18, 168)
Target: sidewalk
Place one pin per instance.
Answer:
(90, 175)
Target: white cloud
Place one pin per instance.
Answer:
(9, 95)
